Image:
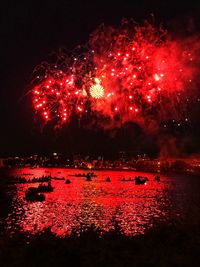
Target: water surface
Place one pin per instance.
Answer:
(80, 204)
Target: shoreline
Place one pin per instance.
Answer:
(104, 169)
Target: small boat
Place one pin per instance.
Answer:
(58, 178)
(45, 188)
(33, 197)
(68, 181)
(88, 177)
(157, 178)
(139, 180)
(42, 188)
(108, 179)
(92, 174)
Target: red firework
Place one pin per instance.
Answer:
(141, 70)
(136, 72)
(57, 98)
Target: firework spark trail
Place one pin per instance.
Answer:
(126, 74)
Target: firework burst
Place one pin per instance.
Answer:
(134, 72)
(96, 90)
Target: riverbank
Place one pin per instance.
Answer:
(5, 170)
(172, 245)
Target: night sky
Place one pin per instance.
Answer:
(31, 30)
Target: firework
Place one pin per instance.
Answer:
(133, 73)
(143, 72)
(56, 98)
(96, 90)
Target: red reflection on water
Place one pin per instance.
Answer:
(82, 203)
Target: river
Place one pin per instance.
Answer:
(71, 207)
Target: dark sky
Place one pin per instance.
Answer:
(30, 30)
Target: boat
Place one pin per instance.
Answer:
(108, 179)
(33, 197)
(68, 181)
(45, 188)
(57, 178)
(88, 177)
(139, 180)
(157, 178)
(42, 188)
